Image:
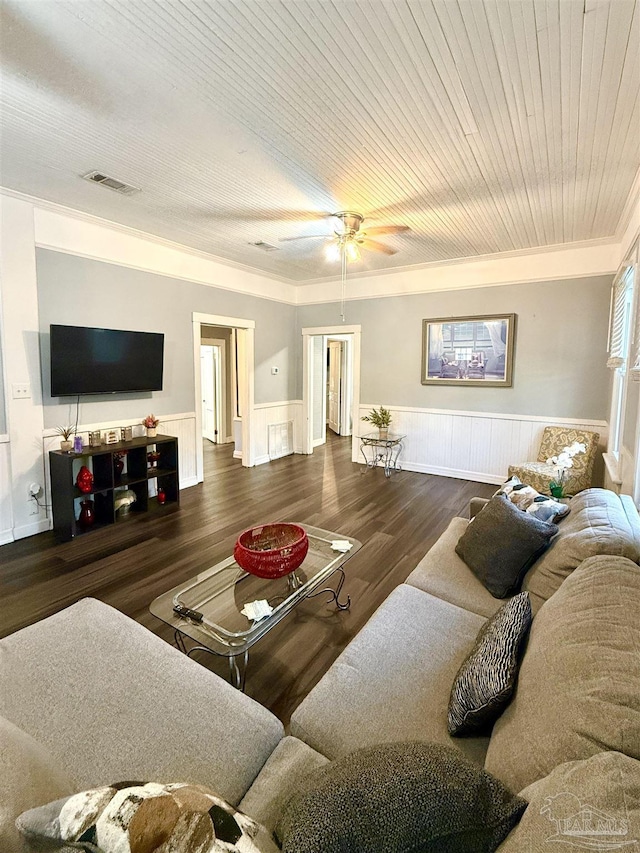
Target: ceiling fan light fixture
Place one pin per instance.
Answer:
(352, 250)
(333, 251)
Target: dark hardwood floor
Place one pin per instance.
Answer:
(128, 565)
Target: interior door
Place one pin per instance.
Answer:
(335, 385)
(208, 393)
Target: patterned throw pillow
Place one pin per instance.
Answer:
(399, 798)
(485, 682)
(530, 500)
(139, 817)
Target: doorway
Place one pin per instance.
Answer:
(241, 332)
(214, 391)
(331, 384)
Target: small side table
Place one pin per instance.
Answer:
(385, 451)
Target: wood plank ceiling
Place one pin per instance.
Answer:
(483, 125)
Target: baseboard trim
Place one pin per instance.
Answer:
(6, 536)
(456, 474)
(260, 460)
(237, 454)
(26, 530)
(188, 482)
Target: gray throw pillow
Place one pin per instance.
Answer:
(485, 682)
(399, 798)
(501, 544)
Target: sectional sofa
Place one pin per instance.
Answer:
(88, 696)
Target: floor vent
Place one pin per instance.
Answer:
(111, 183)
(280, 439)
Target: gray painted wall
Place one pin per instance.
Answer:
(81, 292)
(560, 347)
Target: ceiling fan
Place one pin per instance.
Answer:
(348, 242)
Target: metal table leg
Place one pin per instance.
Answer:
(335, 593)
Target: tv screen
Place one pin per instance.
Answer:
(104, 361)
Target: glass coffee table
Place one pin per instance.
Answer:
(216, 597)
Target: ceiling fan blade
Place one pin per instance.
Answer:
(305, 237)
(387, 229)
(374, 246)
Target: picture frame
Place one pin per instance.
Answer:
(475, 350)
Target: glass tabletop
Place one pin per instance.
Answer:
(375, 438)
(220, 593)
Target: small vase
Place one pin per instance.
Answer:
(162, 497)
(87, 515)
(152, 432)
(556, 490)
(384, 432)
(66, 446)
(84, 480)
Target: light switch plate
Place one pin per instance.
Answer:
(275, 371)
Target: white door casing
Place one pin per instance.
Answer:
(245, 329)
(307, 363)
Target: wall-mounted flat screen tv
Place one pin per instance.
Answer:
(104, 361)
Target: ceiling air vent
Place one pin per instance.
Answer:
(111, 183)
(266, 247)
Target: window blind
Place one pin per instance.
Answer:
(617, 329)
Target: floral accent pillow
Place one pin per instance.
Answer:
(139, 817)
(529, 500)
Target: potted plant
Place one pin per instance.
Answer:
(380, 418)
(151, 424)
(66, 432)
(563, 461)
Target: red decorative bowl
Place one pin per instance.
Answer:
(272, 550)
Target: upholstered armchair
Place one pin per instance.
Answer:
(554, 439)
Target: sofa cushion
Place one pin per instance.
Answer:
(600, 523)
(29, 776)
(290, 762)
(142, 817)
(606, 785)
(113, 701)
(501, 543)
(392, 681)
(578, 690)
(442, 573)
(399, 798)
(486, 680)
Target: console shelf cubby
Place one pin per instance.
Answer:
(138, 475)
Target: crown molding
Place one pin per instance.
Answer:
(81, 216)
(69, 231)
(471, 259)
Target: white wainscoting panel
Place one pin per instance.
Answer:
(6, 516)
(477, 446)
(269, 414)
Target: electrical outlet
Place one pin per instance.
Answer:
(21, 390)
(35, 489)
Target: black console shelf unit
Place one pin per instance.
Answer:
(66, 496)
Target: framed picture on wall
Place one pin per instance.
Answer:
(468, 350)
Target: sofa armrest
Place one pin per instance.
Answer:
(113, 701)
(475, 505)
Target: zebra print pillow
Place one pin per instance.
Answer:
(484, 684)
